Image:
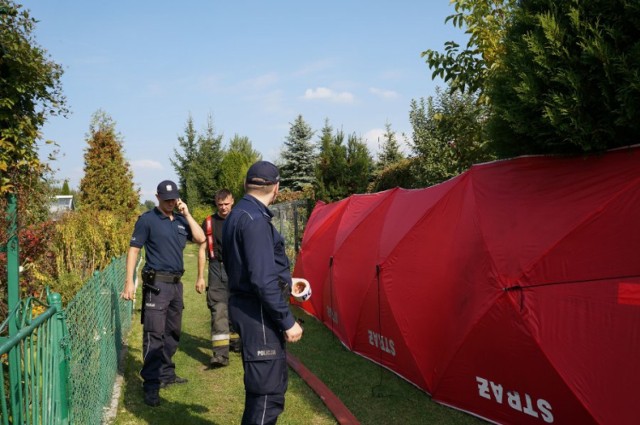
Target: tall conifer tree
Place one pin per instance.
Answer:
(359, 164)
(236, 160)
(107, 184)
(184, 163)
(65, 188)
(298, 157)
(331, 171)
(206, 169)
(390, 149)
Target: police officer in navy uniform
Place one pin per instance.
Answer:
(258, 270)
(164, 234)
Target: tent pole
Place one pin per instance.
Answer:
(331, 294)
(376, 391)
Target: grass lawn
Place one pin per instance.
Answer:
(373, 394)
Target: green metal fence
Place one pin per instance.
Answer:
(34, 383)
(57, 365)
(66, 357)
(33, 348)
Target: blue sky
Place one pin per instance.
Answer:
(254, 66)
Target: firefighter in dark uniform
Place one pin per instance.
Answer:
(163, 233)
(223, 337)
(258, 270)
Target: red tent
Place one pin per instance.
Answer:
(511, 291)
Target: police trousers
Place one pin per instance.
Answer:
(161, 333)
(264, 360)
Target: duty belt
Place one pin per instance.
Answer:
(168, 277)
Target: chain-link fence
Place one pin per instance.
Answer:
(97, 320)
(290, 219)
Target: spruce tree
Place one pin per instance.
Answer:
(323, 162)
(389, 169)
(390, 149)
(359, 164)
(332, 171)
(107, 184)
(298, 157)
(184, 163)
(206, 164)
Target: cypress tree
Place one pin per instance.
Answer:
(107, 184)
(65, 188)
(236, 161)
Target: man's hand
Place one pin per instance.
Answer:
(182, 207)
(293, 334)
(200, 285)
(128, 292)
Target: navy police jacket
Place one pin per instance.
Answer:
(255, 259)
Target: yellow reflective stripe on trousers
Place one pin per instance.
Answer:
(218, 337)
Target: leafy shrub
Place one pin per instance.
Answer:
(399, 174)
(86, 241)
(35, 258)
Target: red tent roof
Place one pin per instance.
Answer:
(511, 291)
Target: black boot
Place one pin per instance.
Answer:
(152, 398)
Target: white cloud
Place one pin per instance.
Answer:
(385, 94)
(328, 94)
(149, 164)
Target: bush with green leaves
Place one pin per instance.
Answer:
(86, 241)
(569, 80)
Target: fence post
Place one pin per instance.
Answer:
(13, 298)
(295, 227)
(62, 346)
